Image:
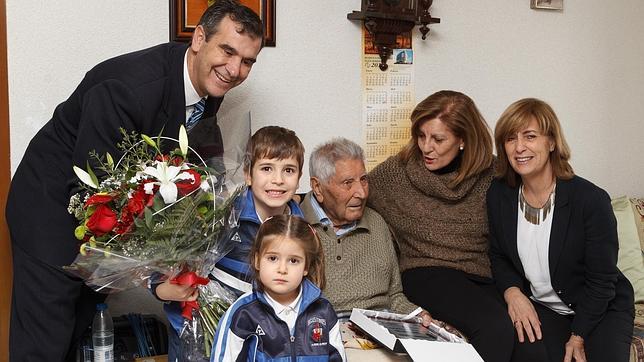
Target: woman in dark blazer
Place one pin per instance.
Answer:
(553, 245)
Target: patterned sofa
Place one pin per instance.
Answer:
(630, 227)
(637, 347)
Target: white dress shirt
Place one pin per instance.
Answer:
(189, 90)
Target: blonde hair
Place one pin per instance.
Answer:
(515, 118)
(459, 113)
(291, 227)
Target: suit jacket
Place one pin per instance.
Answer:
(141, 91)
(582, 251)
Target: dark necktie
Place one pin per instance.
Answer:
(196, 114)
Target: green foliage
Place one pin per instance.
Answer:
(177, 232)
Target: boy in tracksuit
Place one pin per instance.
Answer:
(272, 169)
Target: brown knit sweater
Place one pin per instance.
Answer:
(434, 224)
(360, 266)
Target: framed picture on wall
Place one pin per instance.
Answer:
(185, 15)
(546, 4)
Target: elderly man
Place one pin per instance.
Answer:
(361, 263)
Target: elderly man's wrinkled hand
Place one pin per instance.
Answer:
(575, 349)
(426, 318)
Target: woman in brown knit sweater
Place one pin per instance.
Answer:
(432, 195)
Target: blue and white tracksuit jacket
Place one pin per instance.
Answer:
(235, 262)
(251, 331)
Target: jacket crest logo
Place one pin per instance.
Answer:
(236, 237)
(316, 334)
(259, 331)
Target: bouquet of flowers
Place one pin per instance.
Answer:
(155, 214)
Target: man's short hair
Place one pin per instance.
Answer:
(250, 22)
(324, 157)
(273, 142)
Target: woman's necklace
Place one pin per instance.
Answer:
(535, 215)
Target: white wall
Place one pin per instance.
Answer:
(587, 61)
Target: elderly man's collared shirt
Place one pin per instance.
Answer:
(324, 219)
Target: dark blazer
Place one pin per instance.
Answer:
(582, 252)
(141, 91)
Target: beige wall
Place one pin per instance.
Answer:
(586, 61)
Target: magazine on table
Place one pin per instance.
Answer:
(405, 333)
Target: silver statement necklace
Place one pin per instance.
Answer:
(535, 215)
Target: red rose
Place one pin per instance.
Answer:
(176, 161)
(136, 204)
(162, 158)
(102, 220)
(185, 187)
(149, 198)
(122, 227)
(99, 199)
(125, 222)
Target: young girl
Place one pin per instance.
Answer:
(285, 316)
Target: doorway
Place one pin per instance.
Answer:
(5, 177)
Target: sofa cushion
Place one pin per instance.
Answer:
(630, 260)
(638, 211)
(637, 346)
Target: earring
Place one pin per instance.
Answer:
(461, 147)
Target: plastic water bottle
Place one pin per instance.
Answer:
(103, 334)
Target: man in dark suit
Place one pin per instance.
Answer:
(151, 91)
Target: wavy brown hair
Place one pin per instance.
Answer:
(517, 117)
(291, 227)
(459, 113)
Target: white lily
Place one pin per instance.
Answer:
(205, 186)
(183, 141)
(85, 177)
(165, 175)
(207, 182)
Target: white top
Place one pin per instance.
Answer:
(287, 313)
(190, 92)
(533, 242)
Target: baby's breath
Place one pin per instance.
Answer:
(76, 206)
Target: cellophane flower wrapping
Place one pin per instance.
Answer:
(197, 335)
(177, 240)
(155, 215)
